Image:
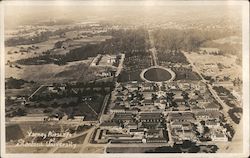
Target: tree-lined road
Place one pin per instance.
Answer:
(152, 49)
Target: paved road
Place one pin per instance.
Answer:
(105, 102)
(36, 91)
(217, 98)
(194, 67)
(87, 139)
(210, 88)
(74, 136)
(214, 94)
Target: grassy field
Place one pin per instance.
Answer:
(230, 39)
(48, 73)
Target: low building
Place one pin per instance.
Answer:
(151, 117)
(223, 84)
(173, 116)
(156, 140)
(131, 125)
(147, 102)
(154, 133)
(179, 101)
(110, 126)
(219, 136)
(132, 111)
(208, 115)
(147, 87)
(137, 132)
(178, 94)
(151, 125)
(118, 109)
(119, 94)
(212, 123)
(123, 117)
(196, 108)
(118, 100)
(211, 107)
(202, 115)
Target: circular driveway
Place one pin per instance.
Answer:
(156, 78)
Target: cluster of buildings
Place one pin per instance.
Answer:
(197, 126)
(145, 112)
(152, 97)
(131, 128)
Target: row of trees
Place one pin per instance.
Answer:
(185, 147)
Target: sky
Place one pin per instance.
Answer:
(16, 15)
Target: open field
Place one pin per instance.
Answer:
(230, 39)
(208, 65)
(47, 72)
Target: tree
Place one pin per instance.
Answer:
(153, 97)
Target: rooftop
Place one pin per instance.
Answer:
(211, 106)
(111, 124)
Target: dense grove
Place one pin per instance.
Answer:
(188, 40)
(13, 83)
(173, 57)
(130, 42)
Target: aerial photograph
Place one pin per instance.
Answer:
(123, 78)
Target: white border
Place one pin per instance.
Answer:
(2, 80)
(246, 95)
(245, 58)
(123, 2)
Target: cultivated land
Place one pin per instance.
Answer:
(104, 88)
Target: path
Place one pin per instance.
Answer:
(36, 91)
(152, 49)
(67, 138)
(120, 66)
